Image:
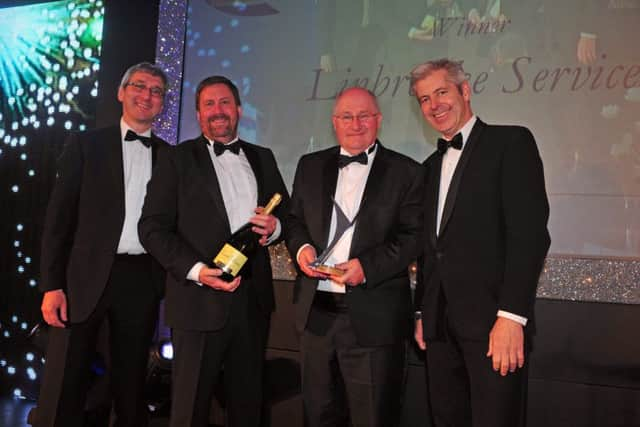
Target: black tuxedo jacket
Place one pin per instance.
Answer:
(386, 239)
(184, 221)
(84, 219)
(493, 234)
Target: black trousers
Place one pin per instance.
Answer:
(345, 383)
(465, 391)
(130, 306)
(236, 351)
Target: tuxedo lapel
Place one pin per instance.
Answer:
(112, 143)
(329, 182)
(203, 161)
(452, 194)
(155, 146)
(431, 199)
(374, 186)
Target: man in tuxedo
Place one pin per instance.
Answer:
(93, 267)
(201, 192)
(486, 238)
(354, 323)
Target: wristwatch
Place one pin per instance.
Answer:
(417, 315)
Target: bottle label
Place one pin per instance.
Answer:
(230, 260)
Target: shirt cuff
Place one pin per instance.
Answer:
(514, 317)
(276, 233)
(194, 273)
(588, 35)
(300, 250)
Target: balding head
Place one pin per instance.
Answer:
(356, 119)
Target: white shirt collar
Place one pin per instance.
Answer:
(225, 143)
(366, 150)
(466, 129)
(124, 127)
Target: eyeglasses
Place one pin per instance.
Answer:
(347, 119)
(138, 87)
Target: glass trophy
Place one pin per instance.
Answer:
(342, 225)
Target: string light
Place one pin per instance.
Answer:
(49, 68)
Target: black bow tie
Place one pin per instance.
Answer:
(132, 136)
(345, 160)
(219, 148)
(456, 143)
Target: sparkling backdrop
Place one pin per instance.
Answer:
(48, 84)
(169, 55)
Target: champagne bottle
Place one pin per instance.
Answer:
(239, 247)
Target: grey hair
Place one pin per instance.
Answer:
(145, 67)
(454, 69)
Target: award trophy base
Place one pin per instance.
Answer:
(327, 269)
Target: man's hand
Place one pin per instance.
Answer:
(210, 277)
(353, 274)
(54, 308)
(417, 335)
(586, 50)
(265, 225)
(306, 256)
(506, 345)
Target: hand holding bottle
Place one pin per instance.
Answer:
(242, 243)
(211, 277)
(264, 224)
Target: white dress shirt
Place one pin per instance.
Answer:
(450, 161)
(239, 190)
(136, 163)
(352, 180)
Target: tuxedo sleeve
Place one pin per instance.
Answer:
(420, 263)
(403, 239)
(296, 231)
(525, 212)
(157, 227)
(61, 217)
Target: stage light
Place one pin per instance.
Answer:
(31, 373)
(166, 350)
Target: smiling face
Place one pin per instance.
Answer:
(141, 100)
(356, 120)
(218, 113)
(444, 105)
